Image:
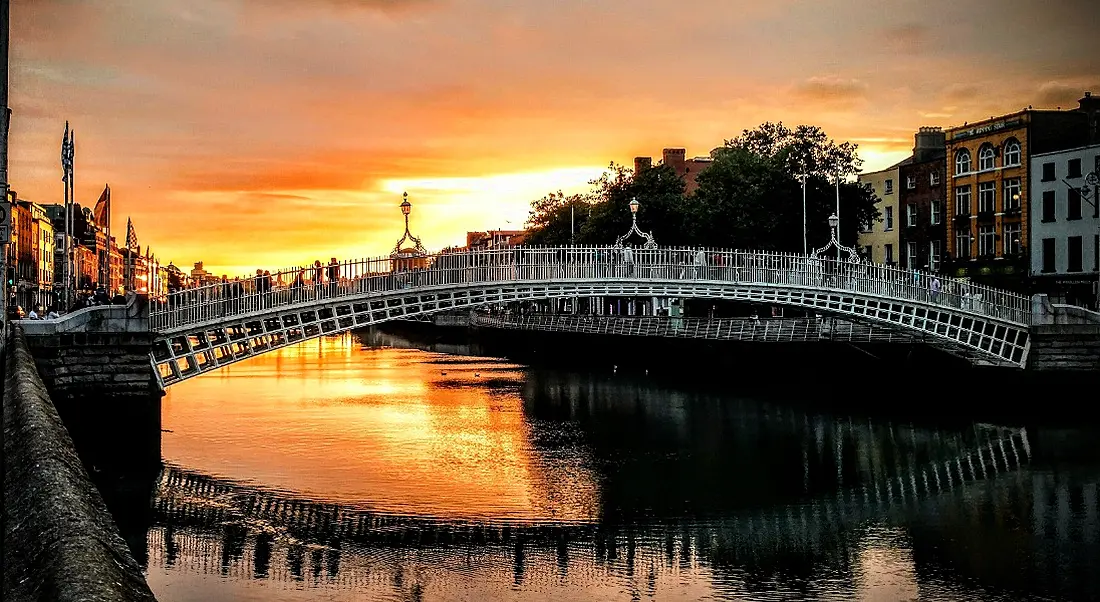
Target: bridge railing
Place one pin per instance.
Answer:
(522, 264)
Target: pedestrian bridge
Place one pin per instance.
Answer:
(202, 329)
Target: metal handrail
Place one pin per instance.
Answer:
(780, 330)
(515, 265)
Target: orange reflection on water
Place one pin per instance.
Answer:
(390, 430)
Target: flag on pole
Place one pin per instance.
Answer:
(101, 213)
(131, 236)
(66, 154)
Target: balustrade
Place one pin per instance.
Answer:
(377, 277)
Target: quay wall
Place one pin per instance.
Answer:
(97, 368)
(60, 542)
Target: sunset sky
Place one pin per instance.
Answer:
(251, 133)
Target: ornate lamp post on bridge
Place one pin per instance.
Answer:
(406, 209)
(649, 242)
(834, 241)
(405, 258)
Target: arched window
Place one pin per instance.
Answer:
(987, 157)
(1012, 152)
(962, 162)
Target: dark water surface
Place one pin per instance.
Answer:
(334, 471)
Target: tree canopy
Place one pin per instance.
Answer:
(750, 197)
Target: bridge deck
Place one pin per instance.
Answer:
(209, 326)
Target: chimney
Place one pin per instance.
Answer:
(1090, 105)
(642, 163)
(674, 158)
(929, 143)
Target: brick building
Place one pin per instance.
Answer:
(988, 167)
(922, 237)
(676, 158)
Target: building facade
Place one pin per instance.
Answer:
(988, 167)
(676, 158)
(495, 238)
(1065, 225)
(922, 237)
(879, 242)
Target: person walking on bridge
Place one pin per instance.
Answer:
(333, 276)
(317, 276)
(628, 261)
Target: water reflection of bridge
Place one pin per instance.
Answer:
(214, 525)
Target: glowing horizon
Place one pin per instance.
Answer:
(238, 135)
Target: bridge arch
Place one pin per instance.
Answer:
(202, 329)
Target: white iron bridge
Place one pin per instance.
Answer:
(204, 328)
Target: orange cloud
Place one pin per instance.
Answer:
(246, 129)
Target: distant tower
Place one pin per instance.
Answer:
(642, 164)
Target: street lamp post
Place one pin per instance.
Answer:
(837, 214)
(805, 247)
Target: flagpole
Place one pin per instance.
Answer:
(107, 285)
(72, 209)
(5, 116)
(66, 288)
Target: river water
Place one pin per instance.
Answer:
(338, 470)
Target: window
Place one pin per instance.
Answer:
(962, 200)
(867, 252)
(1074, 210)
(1096, 253)
(1073, 252)
(987, 197)
(1048, 172)
(889, 253)
(1011, 240)
(889, 219)
(911, 182)
(1074, 168)
(934, 218)
(934, 178)
(911, 260)
(986, 241)
(1048, 206)
(1012, 194)
(1048, 255)
(889, 187)
(987, 157)
(910, 214)
(962, 162)
(1012, 153)
(962, 244)
(934, 255)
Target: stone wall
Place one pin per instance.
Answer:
(60, 542)
(106, 391)
(1065, 347)
(96, 366)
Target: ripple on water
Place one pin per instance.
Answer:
(328, 471)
